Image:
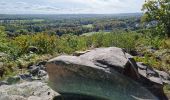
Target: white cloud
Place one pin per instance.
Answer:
(70, 6)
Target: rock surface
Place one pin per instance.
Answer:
(107, 71)
(27, 91)
(3, 54)
(165, 76)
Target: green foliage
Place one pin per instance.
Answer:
(166, 43)
(17, 47)
(44, 42)
(71, 43)
(149, 40)
(159, 11)
(149, 60)
(122, 40)
(3, 40)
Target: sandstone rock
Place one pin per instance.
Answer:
(101, 72)
(27, 91)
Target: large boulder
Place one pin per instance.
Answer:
(104, 72)
(27, 91)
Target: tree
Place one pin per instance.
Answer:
(158, 11)
(3, 40)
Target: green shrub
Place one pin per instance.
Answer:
(149, 40)
(122, 40)
(44, 42)
(3, 40)
(151, 61)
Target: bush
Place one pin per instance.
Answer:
(149, 40)
(3, 40)
(125, 40)
(44, 42)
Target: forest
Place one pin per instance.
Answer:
(67, 24)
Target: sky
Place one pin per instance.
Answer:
(70, 6)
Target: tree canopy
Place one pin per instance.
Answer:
(158, 11)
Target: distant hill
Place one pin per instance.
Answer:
(57, 16)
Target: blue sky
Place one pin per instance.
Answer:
(70, 6)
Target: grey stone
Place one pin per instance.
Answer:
(141, 66)
(99, 72)
(113, 56)
(34, 98)
(34, 70)
(42, 73)
(26, 77)
(149, 73)
(3, 54)
(27, 91)
(165, 76)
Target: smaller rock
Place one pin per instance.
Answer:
(33, 49)
(34, 70)
(3, 83)
(3, 54)
(41, 63)
(165, 76)
(141, 66)
(42, 73)
(151, 50)
(149, 73)
(26, 77)
(42, 67)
